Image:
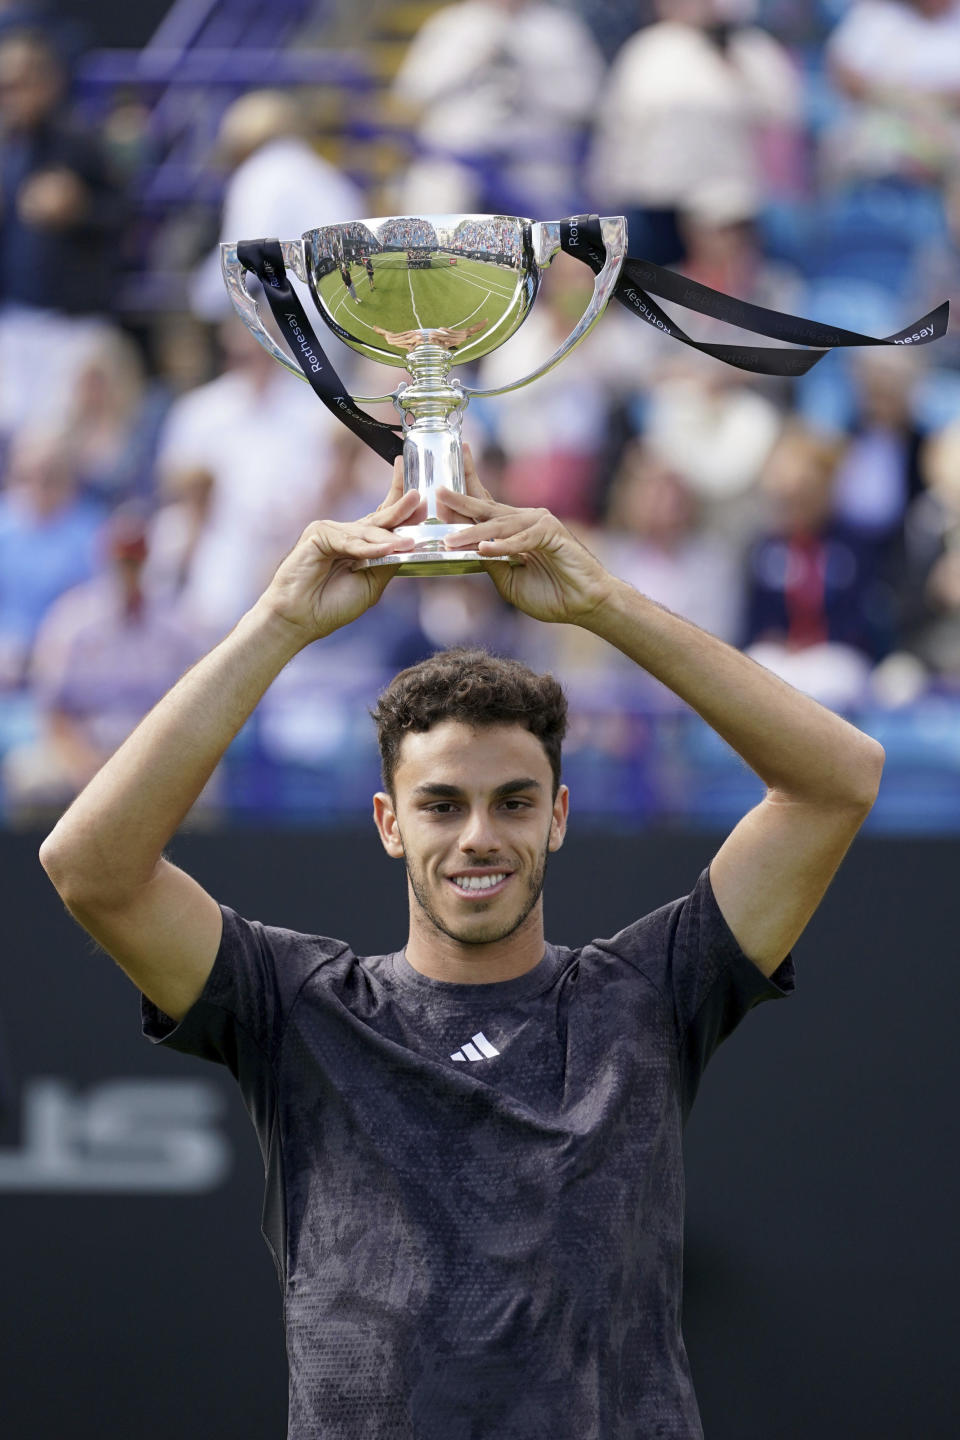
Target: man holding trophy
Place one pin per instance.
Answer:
(474, 1188)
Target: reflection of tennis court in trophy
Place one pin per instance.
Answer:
(405, 297)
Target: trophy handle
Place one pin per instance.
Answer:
(614, 232)
(249, 311)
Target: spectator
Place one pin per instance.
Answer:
(879, 474)
(899, 62)
(931, 582)
(504, 90)
(177, 533)
(104, 656)
(48, 542)
(60, 214)
(718, 228)
(817, 613)
(654, 537)
(936, 277)
(696, 97)
(278, 186)
(114, 422)
(714, 427)
(551, 449)
(272, 449)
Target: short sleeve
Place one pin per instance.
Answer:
(689, 953)
(256, 977)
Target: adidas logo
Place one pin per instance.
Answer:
(481, 1047)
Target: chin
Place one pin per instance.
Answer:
(484, 930)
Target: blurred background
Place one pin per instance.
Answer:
(155, 465)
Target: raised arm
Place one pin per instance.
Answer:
(821, 773)
(105, 855)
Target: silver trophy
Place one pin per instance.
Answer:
(418, 292)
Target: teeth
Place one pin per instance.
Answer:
(478, 882)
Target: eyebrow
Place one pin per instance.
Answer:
(453, 792)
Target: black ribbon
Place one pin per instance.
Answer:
(265, 259)
(580, 236)
(638, 281)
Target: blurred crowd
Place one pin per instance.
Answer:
(154, 468)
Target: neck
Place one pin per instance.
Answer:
(442, 957)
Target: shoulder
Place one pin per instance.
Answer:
(269, 959)
(279, 939)
(690, 924)
(650, 935)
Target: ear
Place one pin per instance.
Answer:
(385, 819)
(558, 824)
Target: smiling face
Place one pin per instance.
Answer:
(474, 817)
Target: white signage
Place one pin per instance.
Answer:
(150, 1136)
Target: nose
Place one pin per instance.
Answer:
(479, 835)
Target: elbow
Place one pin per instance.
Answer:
(68, 870)
(865, 775)
(55, 860)
(49, 857)
(89, 880)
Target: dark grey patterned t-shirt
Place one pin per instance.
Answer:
(474, 1193)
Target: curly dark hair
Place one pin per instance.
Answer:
(477, 688)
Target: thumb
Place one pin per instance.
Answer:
(396, 485)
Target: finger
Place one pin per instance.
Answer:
(510, 524)
(524, 542)
(382, 535)
(396, 484)
(397, 511)
(361, 542)
(396, 491)
(471, 478)
(474, 507)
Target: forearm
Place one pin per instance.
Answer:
(795, 745)
(111, 839)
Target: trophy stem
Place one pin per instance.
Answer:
(432, 411)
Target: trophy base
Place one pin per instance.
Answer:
(434, 562)
(431, 557)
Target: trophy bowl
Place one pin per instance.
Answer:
(418, 293)
(380, 283)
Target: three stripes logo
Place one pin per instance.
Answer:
(477, 1050)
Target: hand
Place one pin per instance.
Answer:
(317, 588)
(554, 576)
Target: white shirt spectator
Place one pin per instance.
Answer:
(888, 43)
(269, 447)
(283, 189)
(519, 80)
(902, 68)
(678, 112)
